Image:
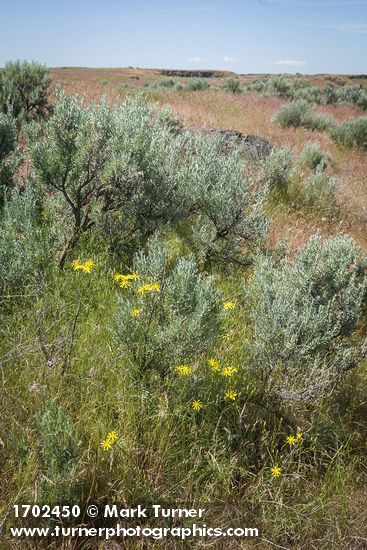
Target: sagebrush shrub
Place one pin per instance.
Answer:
(169, 119)
(312, 94)
(352, 133)
(166, 82)
(24, 90)
(312, 157)
(320, 189)
(69, 155)
(125, 170)
(330, 94)
(197, 84)
(301, 114)
(25, 243)
(169, 315)
(279, 86)
(229, 222)
(305, 313)
(355, 95)
(232, 85)
(276, 169)
(8, 154)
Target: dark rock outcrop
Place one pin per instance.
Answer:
(254, 148)
(194, 74)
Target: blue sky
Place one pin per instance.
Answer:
(246, 36)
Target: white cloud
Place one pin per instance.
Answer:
(197, 59)
(290, 63)
(229, 59)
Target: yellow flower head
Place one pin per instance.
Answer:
(125, 280)
(276, 471)
(106, 445)
(229, 305)
(197, 405)
(299, 436)
(77, 265)
(109, 441)
(291, 440)
(229, 371)
(184, 370)
(214, 365)
(129, 277)
(154, 287)
(228, 336)
(86, 267)
(112, 436)
(134, 312)
(230, 395)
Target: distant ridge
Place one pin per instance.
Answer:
(195, 73)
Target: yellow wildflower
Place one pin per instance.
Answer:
(106, 445)
(229, 305)
(214, 364)
(109, 441)
(112, 436)
(276, 471)
(125, 280)
(229, 371)
(185, 370)
(86, 267)
(291, 440)
(128, 277)
(197, 405)
(299, 436)
(135, 312)
(228, 336)
(154, 287)
(230, 395)
(77, 265)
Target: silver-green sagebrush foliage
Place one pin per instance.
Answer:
(169, 314)
(69, 155)
(25, 243)
(351, 133)
(24, 90)
(9, 157)
(300, 113)
(125, 170)
(312, 157)
(305, 313)
(276, 169)
(320, 189)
